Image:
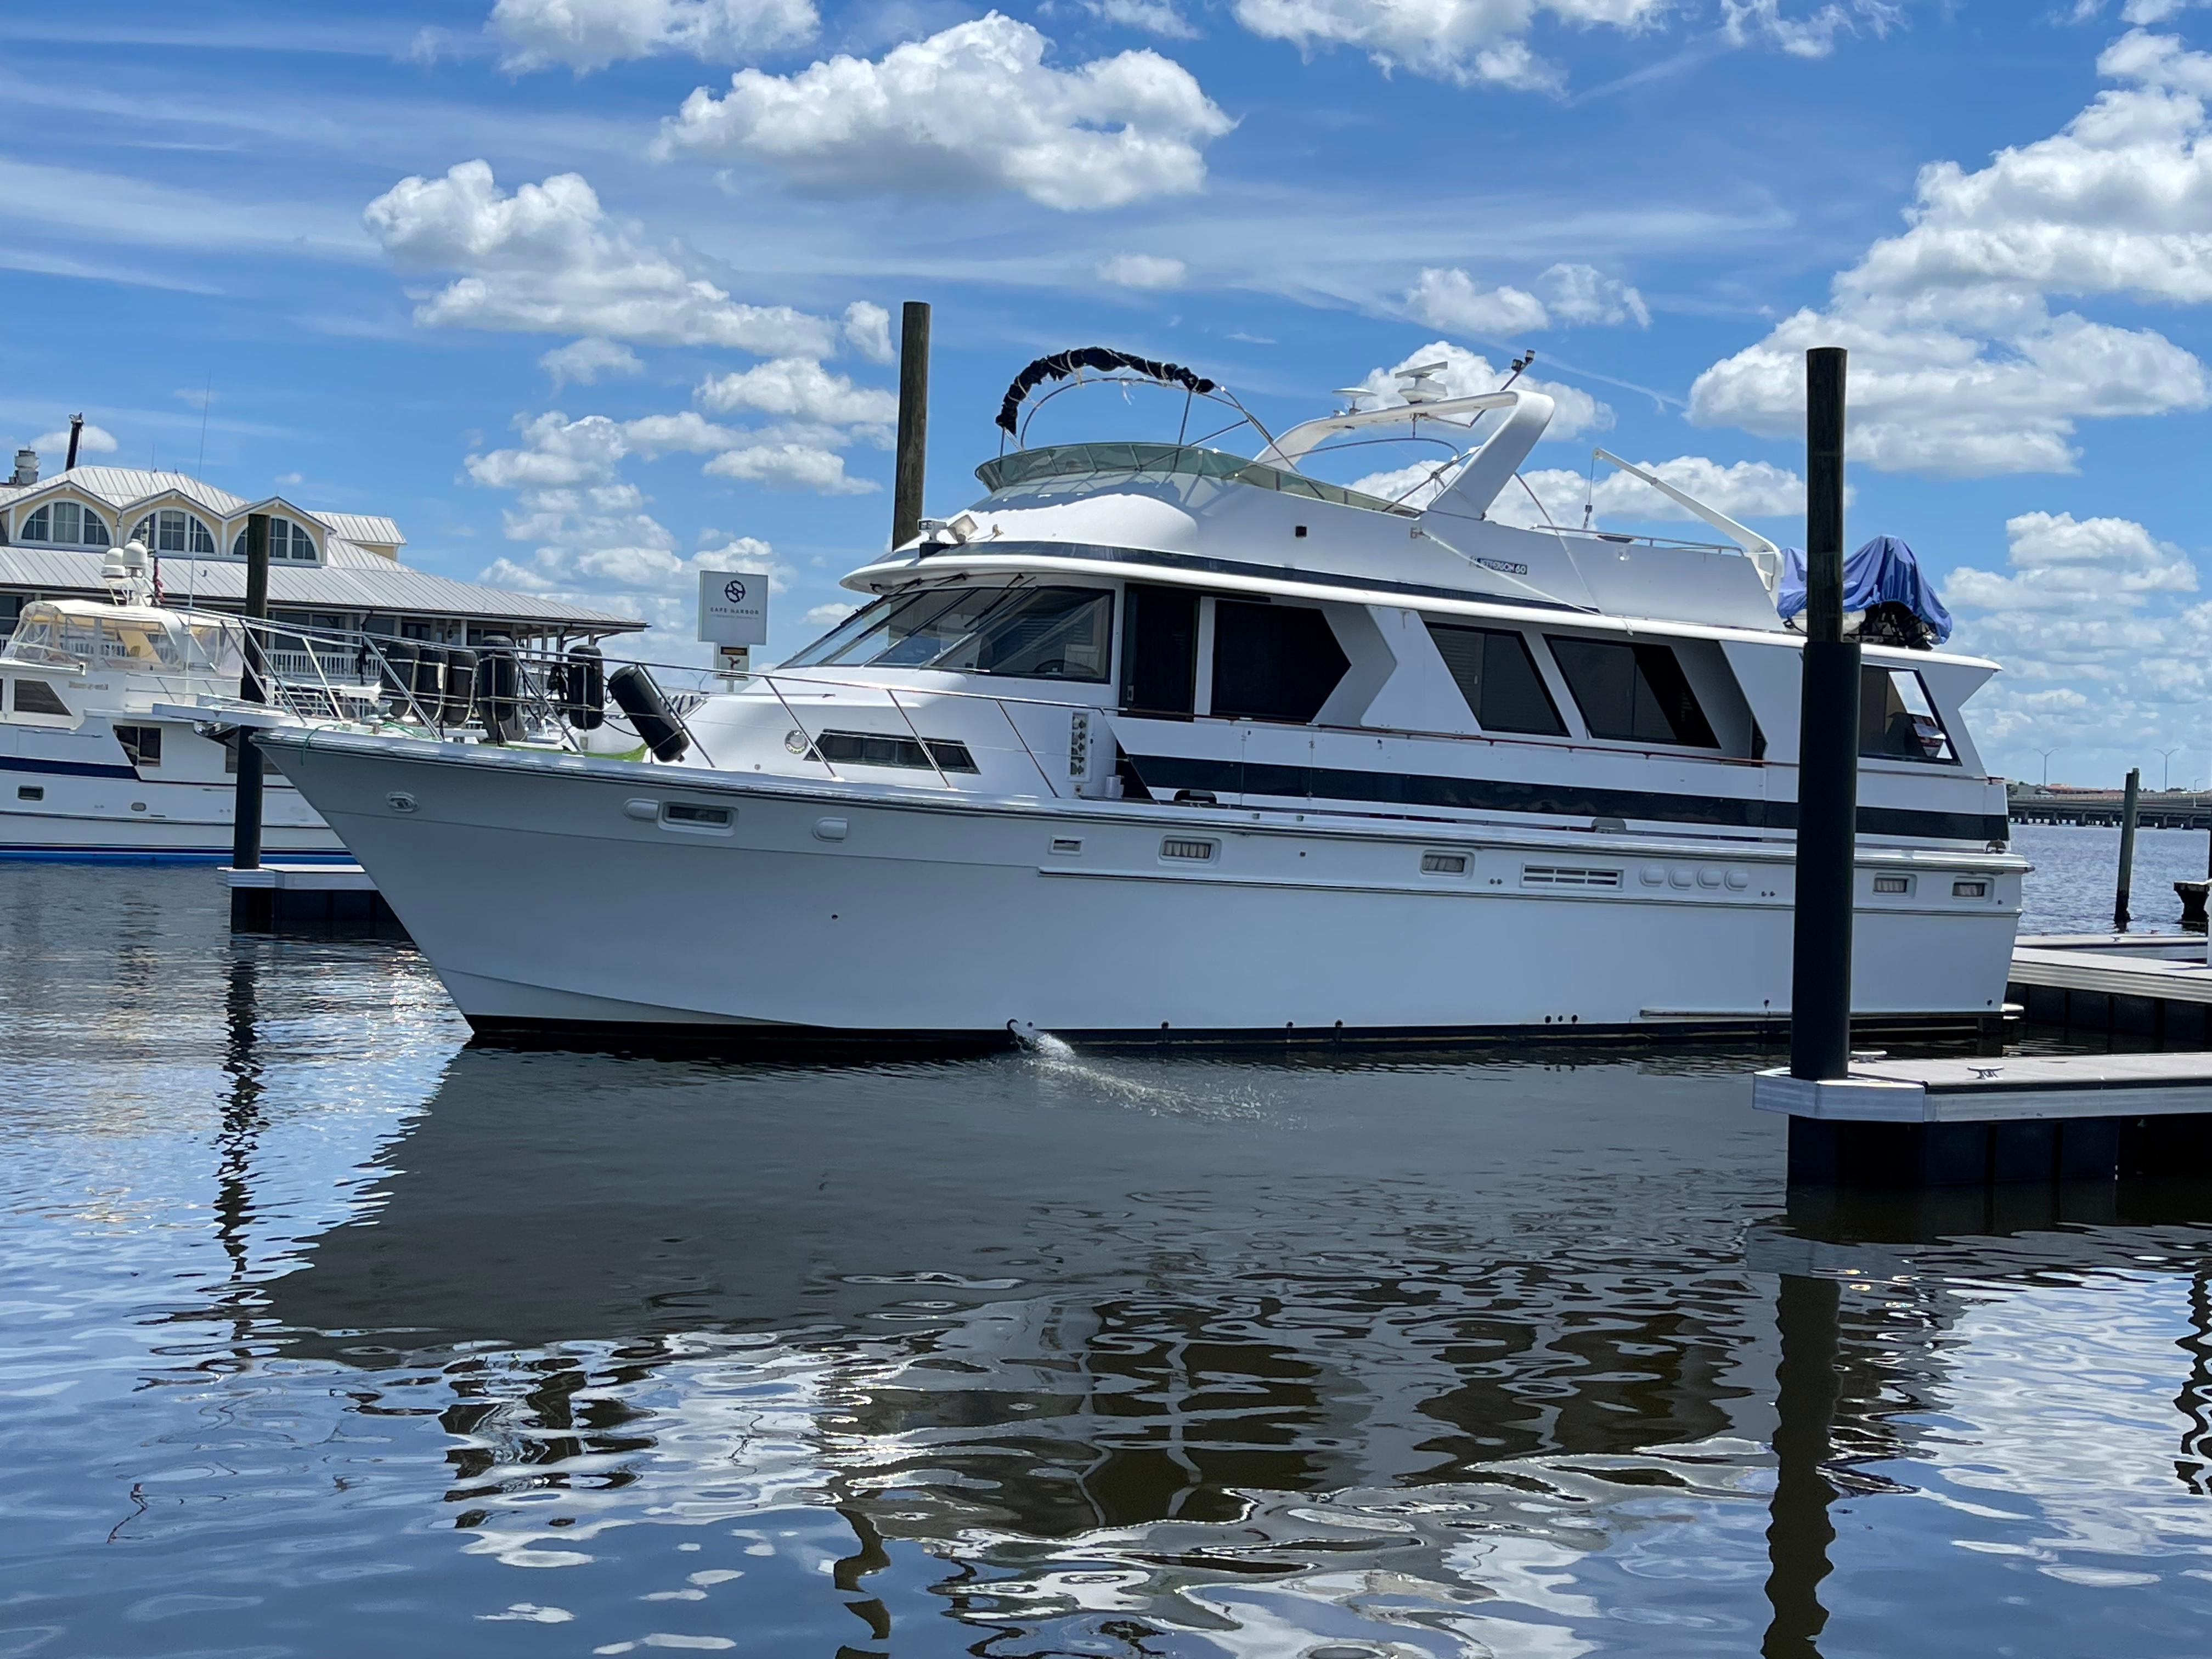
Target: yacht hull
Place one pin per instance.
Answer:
(556, 898)
(52, 814)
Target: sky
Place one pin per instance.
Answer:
(593, 294)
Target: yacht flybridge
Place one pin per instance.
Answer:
(1161, 740)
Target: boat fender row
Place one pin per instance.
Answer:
(447, 683)
(639, 698)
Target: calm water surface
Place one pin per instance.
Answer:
(321, 1335)
(2077, 870)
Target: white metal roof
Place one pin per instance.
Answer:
(354, 579)
(363, 527)
(122, 486)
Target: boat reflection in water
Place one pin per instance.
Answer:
(1033, 1354)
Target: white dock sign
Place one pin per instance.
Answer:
(732, 607)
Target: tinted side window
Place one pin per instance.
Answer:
(36, 697)
(1273, 662)
(1632, 693)
(1498, 678)
(1159, 650)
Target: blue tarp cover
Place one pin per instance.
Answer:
(1884, 570)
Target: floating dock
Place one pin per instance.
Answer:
(2155, 986)
(312, 901)
(2058, 1118)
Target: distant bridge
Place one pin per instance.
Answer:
(2157, 809)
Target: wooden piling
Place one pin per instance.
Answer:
(1827, 749)
(910, 464)
(2127, 811)
(250, 906)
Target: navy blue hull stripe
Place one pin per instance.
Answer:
(66, 769)
(1165, 774)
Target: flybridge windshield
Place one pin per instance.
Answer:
(1027, 633)
(1031, 467)
(46, 635)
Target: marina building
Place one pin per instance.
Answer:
(338, 571)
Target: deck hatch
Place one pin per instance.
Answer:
(1567, 875)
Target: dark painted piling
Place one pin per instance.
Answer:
(1827, 749)
(2129, 808)
(913, 423)
(250, 907)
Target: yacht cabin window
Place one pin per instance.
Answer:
(1897, 721)
(1497, 676)
(170, 530)
(65, 523)
(1159, 650)
(1633, 692)
(36, 697)
(1273, 662)
(1027, 633)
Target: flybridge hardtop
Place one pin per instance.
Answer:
(1192, 510)
(1253, 753)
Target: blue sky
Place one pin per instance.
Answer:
(582, 310)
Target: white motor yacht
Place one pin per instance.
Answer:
(1160, 741)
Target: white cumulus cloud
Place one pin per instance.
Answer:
(2098, 625)
(53, 446)
(868, 330)
(1960, 365)
(1811, 33)
(594, 540)
(1470, 42)
(545, 258)
(586, 362)
(590, 35)
(1564, 294)
(973, 107)
(1153, 16)
(1453, 300)
(1143, 270)
(799, 389)
(790, 465)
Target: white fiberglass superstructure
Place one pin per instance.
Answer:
(1156, 740)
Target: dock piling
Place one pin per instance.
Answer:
(2127, 811)
(250, 906)
(911, 464)
(1827, 750)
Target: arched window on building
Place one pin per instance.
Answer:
(286, 540)
(170, 530)
(65, 523)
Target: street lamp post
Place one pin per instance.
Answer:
(2046, 754)
(2166, 778)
